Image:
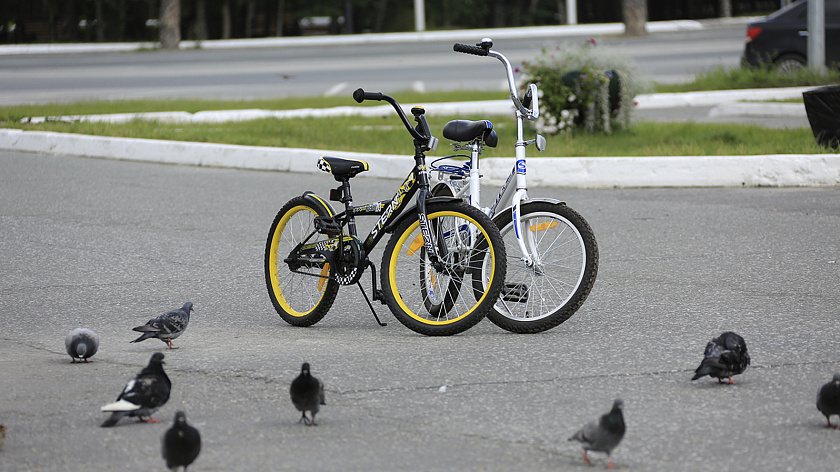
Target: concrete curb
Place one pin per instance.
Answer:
(727, 102)
(594, 172)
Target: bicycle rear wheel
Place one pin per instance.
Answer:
(542, 296)
(301, 291)
(469, 245)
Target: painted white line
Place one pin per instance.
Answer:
(418, 86)
(335, 89)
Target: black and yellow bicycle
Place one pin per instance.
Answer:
(442, 269)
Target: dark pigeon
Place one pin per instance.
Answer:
(143, 395)
(828, 399)
(307, 394)
(181, 443)
(604, 434)
(725, 356)
(82, 344)
(167, 326)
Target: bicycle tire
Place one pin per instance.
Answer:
(536, 299)
(302, 296)
(404, 265)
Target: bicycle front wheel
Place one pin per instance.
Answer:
(442, 300)
(301, 291)
(539, 297)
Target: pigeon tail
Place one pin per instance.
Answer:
(112, 420)
(146, 335)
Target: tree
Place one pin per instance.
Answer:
(635, 17)
(170, 24)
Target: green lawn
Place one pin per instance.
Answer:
(386, 135)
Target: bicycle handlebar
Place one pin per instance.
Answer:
(483, 49)
(423, 135)
(467, 49)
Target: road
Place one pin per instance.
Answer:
(308, 71)
(108, 244)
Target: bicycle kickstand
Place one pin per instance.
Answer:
(377, 294)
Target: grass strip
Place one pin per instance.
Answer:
(386, 135)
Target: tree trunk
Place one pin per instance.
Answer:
(635, 17)
(226, 20)
(250, 14)
(201, 20)
(281, 17)
(170, 24)
(726, 8)
(100, 22)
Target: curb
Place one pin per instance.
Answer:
(592, 172)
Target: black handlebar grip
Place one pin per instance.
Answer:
(360, 95)
(467, 49)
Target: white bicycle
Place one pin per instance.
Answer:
(554, 269)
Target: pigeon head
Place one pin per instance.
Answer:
(188, 307)
(157, 358)
(81, 349)
(180, 418)
(304, 369)
(618, 404)
(836, 380)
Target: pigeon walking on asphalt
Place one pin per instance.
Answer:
(143, 394)
(307, 394)
(82, 344)
(603, 434)
(725, 356)
(167, 326)
(828, 399)
(181, 443)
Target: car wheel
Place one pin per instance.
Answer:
(790, 63)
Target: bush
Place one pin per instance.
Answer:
(582, 86)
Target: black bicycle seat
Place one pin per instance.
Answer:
(341, 167)
(465, 130)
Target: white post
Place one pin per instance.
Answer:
(816, 35)
(571, 12)
(419, 15)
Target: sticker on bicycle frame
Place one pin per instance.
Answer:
(394, 204)
(520, 166)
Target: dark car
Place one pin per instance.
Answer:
(782, 37)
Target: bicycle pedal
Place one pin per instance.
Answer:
(327, 225)
(516, 293)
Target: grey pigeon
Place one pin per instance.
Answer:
(307, 394)
(725, 356)
(81, 343)
(828, 399)
(181, 443)
(166, 326)
(602, 435)
(143, 394)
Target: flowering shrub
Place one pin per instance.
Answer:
(582, 86)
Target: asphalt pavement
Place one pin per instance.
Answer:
(108, 244)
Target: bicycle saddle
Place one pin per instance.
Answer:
(465, 130)
(341, 167)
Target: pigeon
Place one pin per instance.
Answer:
(167, 326)
(828, 399)
(725, 356)
(602, 435)
(143, 394)
(181, 443)
(307, 394)
(82, 344)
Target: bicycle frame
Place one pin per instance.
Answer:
(508, 196)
